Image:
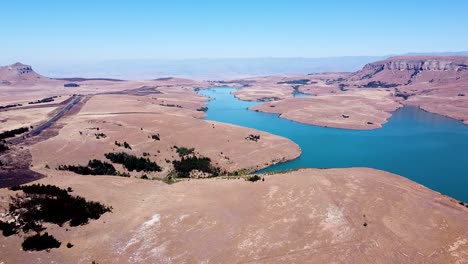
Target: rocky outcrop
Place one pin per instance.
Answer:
(405, 69)
(420, 63)
(21, 68)
(17, 72)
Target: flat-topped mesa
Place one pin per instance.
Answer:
(403, 70)
(17, 72)
(421, 63)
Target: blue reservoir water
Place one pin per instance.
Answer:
(427, 148)
(302, 95)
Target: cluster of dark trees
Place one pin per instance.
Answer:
(413, 75)
(3, 148)
(342, 87)
(156, 137)
(9, 106)
(131, 162)
(44, 100)
(100, 135)
(203, 109)
(71, 85)
(94, 167)
(269, 99)
(183, 151)
(220, 81)
(253, 137)
(379, 84)
(171, 105)
(403, 95)
(255, 178)
(47, 204)
(125, 145)
(13, 132)
(299, 81)
(40, 242)
(296, 89)
(187, 164)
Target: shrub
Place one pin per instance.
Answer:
(203, 109)
(100, 135)
(131, 162)
(379, 84)
(8, 229)
(13, 132)
(126, 145)
(33, 226)
(190, 163)
(44, 100)
(10, 106)
(3, 148)
(183, 151)
(300, 81)
(403, 95)
(47, 204)
(39, 242)
(253, 137)
(101, 168)
(94, 167)
(254, 178)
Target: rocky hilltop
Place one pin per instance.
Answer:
(421, 63)
(18, 72)
(405, 70)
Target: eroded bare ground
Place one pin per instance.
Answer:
(15, 168)
(337, 215)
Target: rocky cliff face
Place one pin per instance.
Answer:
(17, 72)
(421, 64)
(20, 68)
(403, 70)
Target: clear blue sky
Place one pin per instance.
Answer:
(92, 30)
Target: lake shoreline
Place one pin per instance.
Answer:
(416, 144)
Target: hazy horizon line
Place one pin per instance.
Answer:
(435, 53)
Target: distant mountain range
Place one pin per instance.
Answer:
(216, 69)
